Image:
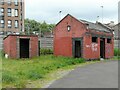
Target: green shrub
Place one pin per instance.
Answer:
(116, 52)
(44, 51)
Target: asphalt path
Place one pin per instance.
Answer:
(98, 75)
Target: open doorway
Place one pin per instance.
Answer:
(102, 47)
(77, 49)
(24, 48)
(39, 48)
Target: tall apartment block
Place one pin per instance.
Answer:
(119, 12)
(119, 25)
(11, 16)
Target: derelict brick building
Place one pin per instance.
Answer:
(21, 46)
(83, 39)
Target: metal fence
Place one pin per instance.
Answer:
(1, 42)
(46, 42)
(116, 43)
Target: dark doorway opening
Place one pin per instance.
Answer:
(24, 48)
(77, 49)
(102, 48)
(39, 48)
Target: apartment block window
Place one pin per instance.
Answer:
(9, 2)
(2, 18)
(21, 16)
(2, 2)
(16, 12)
(1, 11)
(21, 26)
(21, 4)
(16, 2)
(16, 24)
(2, 22)
(9, 23)
(9, 12)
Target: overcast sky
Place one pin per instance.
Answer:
(48, 10)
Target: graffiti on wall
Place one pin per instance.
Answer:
(88, 46)
(108, 49)
(93, 46)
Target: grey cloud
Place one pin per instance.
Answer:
(48, 10)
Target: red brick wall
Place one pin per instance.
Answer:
(109, 49)
(63, 38)
(91, 50)
(10, 46)
(63, 47)
(13, 46)
(6, 46)
(34, 46)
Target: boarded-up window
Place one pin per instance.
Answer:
(108, 40)
(94, 39)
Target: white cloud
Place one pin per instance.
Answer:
(48, 10)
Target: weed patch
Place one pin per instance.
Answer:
(8, 77)
(19, 72)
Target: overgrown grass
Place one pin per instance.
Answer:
(44, 51)
(1, 54)
(17, 73)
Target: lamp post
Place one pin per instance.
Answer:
(102, 13)
(28, 29)
(60, 14)
(97, 18)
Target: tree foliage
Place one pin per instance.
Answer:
(34, 26)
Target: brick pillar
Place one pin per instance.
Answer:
(18, 47)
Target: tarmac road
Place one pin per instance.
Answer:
(99, 75)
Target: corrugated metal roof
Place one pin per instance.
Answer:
(96, 26)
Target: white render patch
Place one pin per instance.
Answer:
(101, 59)
(6, 56)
